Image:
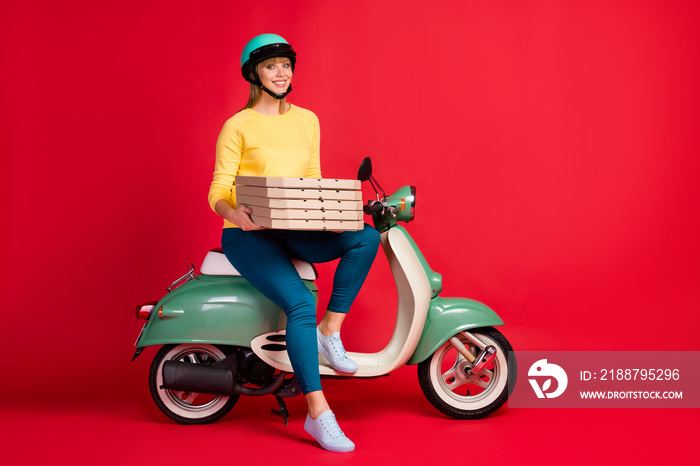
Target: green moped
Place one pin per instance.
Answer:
(221, 338)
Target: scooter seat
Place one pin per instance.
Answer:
(215, 263)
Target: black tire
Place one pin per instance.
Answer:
(462, 395)
(188, 407)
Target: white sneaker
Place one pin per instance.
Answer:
(332, 349)
(327, 433)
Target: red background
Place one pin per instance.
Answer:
(554, 146)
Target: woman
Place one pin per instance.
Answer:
(271, 137)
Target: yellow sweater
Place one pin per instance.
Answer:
(254, 144)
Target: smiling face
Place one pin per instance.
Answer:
(276, 74)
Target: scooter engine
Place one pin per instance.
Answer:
(253, 369)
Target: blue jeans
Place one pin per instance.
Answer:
(263, 258)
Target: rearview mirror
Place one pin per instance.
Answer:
(365, 170)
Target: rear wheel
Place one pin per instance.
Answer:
(450, 386)
(188, 407)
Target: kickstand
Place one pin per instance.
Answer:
(282, 411)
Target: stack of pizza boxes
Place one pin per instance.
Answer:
(302, 203)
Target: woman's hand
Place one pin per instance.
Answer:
(240, 216)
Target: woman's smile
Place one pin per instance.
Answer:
(280, 83)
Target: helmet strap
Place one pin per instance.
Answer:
(276, 96)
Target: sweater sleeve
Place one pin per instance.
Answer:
(314, 168)
(228, 159)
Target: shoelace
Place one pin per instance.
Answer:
(338, 349)
(330, 425)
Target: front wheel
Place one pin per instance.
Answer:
(450, 386)
(188, 407)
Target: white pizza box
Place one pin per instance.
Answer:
(307, 204)
(300, 193)
(309, 183)
(306, 214)
(283, 224)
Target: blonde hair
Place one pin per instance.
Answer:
(256, 91)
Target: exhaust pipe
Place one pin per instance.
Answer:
(215, 380)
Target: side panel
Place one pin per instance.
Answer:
(446, 317)
(214, 309)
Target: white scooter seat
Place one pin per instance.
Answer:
(215, 263)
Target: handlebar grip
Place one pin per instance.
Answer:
(372, 207)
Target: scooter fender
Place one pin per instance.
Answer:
(214, 309)
(448, 316)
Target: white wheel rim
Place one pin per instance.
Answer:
(446, 364)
